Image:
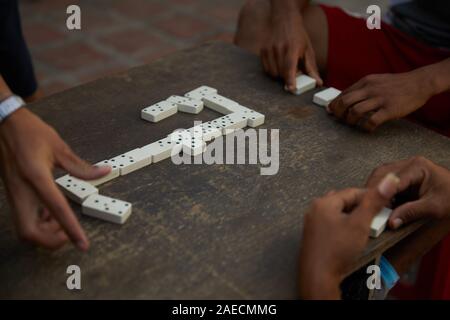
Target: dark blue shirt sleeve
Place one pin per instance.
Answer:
(16, 66)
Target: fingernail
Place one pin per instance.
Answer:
(397, 223)
(104, 168)
(388, 186)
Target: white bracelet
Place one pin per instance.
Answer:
(9, 105)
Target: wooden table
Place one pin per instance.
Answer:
(202, 231)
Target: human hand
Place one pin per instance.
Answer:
(29, 150)
(378, 98)
(426, 184)
(336, 230)
(286, 45)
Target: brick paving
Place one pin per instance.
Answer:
(119, 34)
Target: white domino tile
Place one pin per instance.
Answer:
(159, 111)
(115, 172)
(379, 223)
(191, 141)
(162, 149)
(194, 146)
(131, 161)
(196, 132)
(303, 84)
(220, 104)
(200, 93)
(324, 98)
(187, 105)
(205, 132)
(254, 119)
(230, 122)
(75, 189)
(209, 132)
(106, 208)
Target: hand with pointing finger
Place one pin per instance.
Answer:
(288, 45)
(336, 230)
(425, 183)
(29, 151)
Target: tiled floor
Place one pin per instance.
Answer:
(119, 34)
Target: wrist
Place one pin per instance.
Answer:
(318, 283)
(327, 287)
(10, 119)
(5, 95)
(435, 78)
(284, 8)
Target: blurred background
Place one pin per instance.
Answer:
(119, 34)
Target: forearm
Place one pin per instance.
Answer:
(281, 7)
(316, 280)
(321, 287)
(437, 76)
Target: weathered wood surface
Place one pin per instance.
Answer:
(198, 231)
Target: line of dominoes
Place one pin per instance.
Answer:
(191, 141)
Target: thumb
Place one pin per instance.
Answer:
(80, 168)
(376, 199)
(408, 212)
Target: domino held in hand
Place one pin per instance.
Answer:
(303, 84)
(379, 223)
(324, 98)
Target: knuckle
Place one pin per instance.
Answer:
(373, 122)
(357, 111)
(345, 100)
(383, 168)
(408, 215)
(33, 173)
(316, 203)
(333, 104)
(419, 160)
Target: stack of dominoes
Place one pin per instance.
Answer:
(191, 141)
